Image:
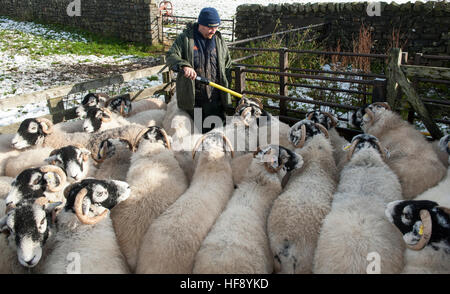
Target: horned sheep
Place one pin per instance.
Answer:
(356, 229)
(173, 239)
(238, 242)
(412, 158)
(84, 227)
(297, 214)
(152, 174)
(425, 227)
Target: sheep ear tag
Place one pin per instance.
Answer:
(366, 117)
(346, 147)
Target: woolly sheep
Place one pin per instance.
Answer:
(425, 227)
(441, 192)
(6, 151)
(5, 186)
(296, 216)
(238, 242)
(22, 253)
(91, 100)
(85, 228)
(26, 159)
(41, 132)
(101, 119)
(156, 181)
(32, 183)
(329, 122)
(173, 239)
(411, 157)
(355, 229)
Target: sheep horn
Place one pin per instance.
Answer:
(322, 129)
(47, 125)
(79, 210)
(257, 151)
(108, 112)
(444, 209)
(67, 190)
(310, 115)
(352, 149)
(227, 141)
(59, 172)
(166, 138)
(41, 201)
(54, 151)
(303, 138)
(239, 107)
(427, 227)
(383, 104)
(243, 114)
(370, 114)
(383, 153)
(197, 144)
(333, 119)
(138, 138)
(108, 101)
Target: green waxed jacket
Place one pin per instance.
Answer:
(182, 54)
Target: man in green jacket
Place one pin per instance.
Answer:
(201, 50)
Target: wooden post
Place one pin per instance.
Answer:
(417, 61)
(239, 79)
(393, 89)
(399, 77)
(56, 109)
(379, 90)
(284, 64)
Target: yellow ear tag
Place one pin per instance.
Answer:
(421, 230)
(346, 147)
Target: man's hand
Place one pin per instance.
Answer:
(189, 73)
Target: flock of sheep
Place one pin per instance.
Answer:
(134, 188)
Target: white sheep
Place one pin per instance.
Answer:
(338, 142)
(356, 230)
(297, 214)
(440, 193)
(85, 241)
(48, 181)
(5, 186)
(6, 151)
(425, 227)
(27, 236)
(238, 242)
(156, 181)
(411, 157)
(173, 239)
(29, 158)
(41, 132)
(101, 119)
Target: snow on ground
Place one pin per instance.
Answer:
(22, 72)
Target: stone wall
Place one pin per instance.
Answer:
(424, 26)
(131, 20)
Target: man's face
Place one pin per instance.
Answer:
(207, 32)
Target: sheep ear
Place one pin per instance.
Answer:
(52, 206)
(53, 160)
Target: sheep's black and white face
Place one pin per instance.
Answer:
(29, 134)
(366, 141)
(28, 228)
(73, 160)
(405, 215)
(89, 101)
(279, 158)
(320, 117)
(121, 104)
(251, 112)
(94, 119)
(101, 195)
(295, 132)
(29, 184)
(361, 117)
(444, 144)
(32, 183)
(155, 135)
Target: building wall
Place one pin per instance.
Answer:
(133, 20)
